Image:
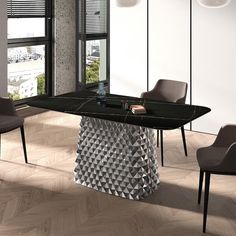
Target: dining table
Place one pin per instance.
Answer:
(117, 150)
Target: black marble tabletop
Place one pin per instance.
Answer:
(159, 115)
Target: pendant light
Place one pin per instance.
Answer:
(127, 3)
(214, 3)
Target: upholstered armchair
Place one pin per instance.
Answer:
(168, 91)
(219, 158)
(9, 121)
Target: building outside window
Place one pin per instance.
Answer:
(29, 48)
(96, 61)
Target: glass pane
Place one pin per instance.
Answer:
(96, 16)
(95, 61)
(26, 27)
(26, 71)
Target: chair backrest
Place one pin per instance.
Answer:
(227, 138)
(168, 91)
(7, 107)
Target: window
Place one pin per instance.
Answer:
(26, 27)
(95, 61)
(29, 48)
(93, 42)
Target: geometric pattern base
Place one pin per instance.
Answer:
(117, 158)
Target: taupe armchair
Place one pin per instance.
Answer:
(219, 158)
(168, 91)
(10, 121)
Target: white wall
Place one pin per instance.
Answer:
(3, 48)
(169, 44)
(214, 65)
(169, 41)
(128, 49)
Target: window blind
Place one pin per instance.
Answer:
(26, 8)
(96, 16)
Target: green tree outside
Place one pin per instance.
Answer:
(14, 96)
(41, 84)
(92, 72)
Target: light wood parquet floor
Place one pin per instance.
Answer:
(41, 199)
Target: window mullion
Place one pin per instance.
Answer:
(27, 40)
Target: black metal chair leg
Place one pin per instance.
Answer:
(23, 142)
(206, 197)
(201, 176)
(184, 141)
(157, 137)
(162, 154)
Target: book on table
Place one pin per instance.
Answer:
(138, 109)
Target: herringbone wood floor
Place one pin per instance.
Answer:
(41, 199)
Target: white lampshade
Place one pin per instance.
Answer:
(214, 3)
(127, 3)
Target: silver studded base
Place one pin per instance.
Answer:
(116, 158)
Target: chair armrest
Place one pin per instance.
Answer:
(7, 107)
(231, 150)
(150, 95)
(229, 162)
(144, 94)
(226, 136)
(181, 100)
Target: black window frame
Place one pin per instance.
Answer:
(83, 36)
(37, 41)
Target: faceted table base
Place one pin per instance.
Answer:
(117, 158)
